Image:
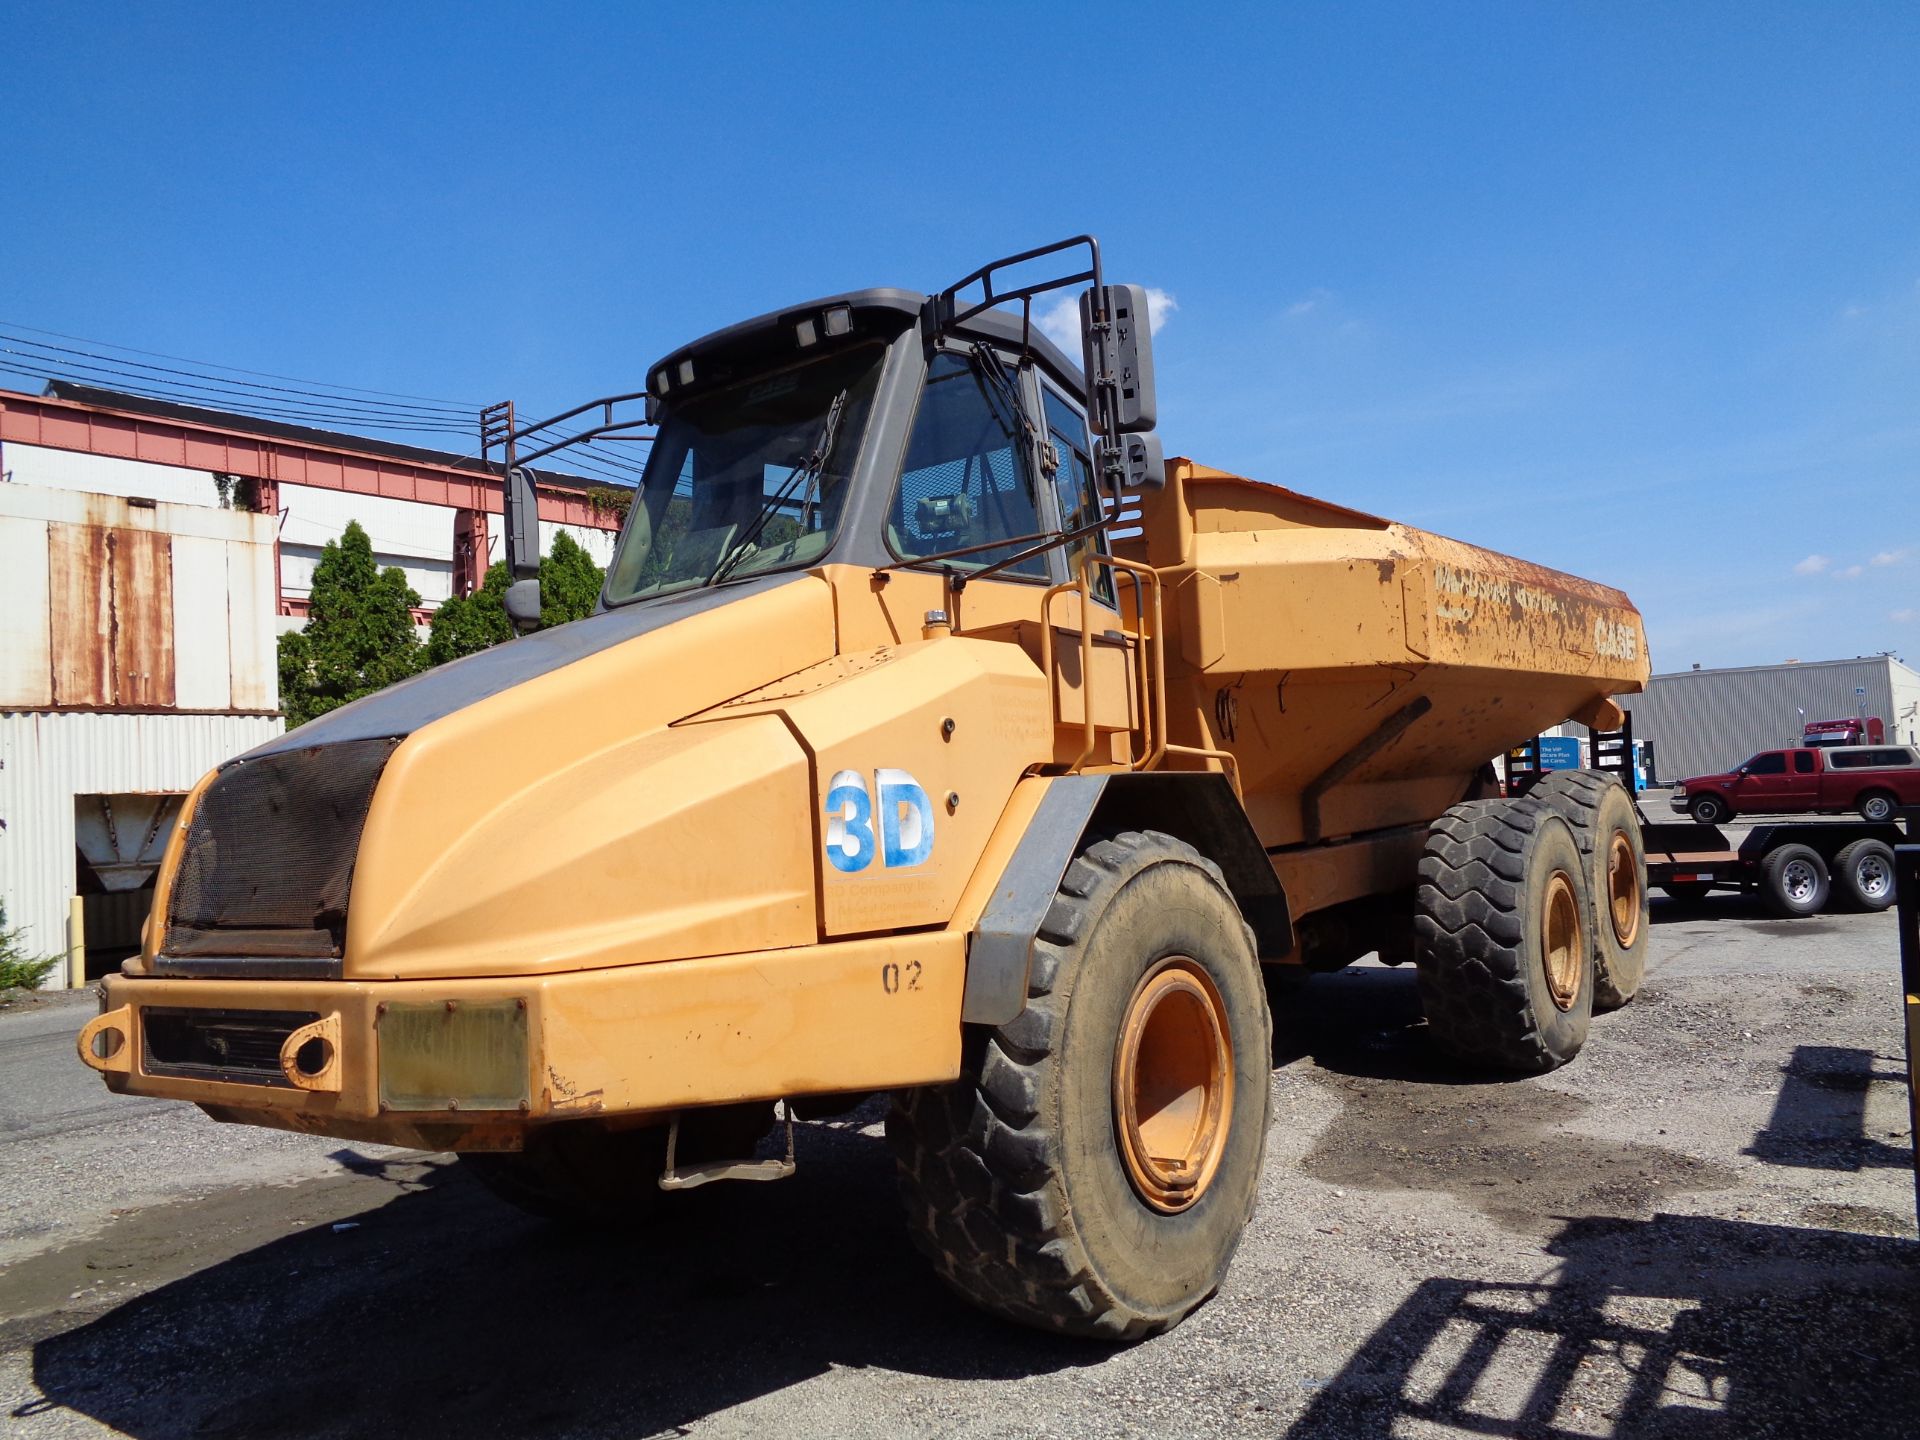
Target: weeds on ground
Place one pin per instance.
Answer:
(18, 970)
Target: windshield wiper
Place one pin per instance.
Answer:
(808, 469)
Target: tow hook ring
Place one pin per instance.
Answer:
(105, 1042)
(310, 1056)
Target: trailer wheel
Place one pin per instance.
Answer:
(1092, 1169)
(1708, 809)
(1687, 890)
(1506, 953)
(1607, 830)
(1795, 881)
(1863, 874)
(1877, 806)
(578, 1172)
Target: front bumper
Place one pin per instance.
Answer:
(471, 1063)
(1679, 800)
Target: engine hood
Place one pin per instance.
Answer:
(533, 808)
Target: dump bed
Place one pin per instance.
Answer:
(1366, 665)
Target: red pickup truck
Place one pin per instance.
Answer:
(1872, 779)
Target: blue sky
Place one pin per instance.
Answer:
(1630, 290)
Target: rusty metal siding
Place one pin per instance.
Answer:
(1703, 721)
(47, 758)
(141, 618)
(79, 604)
(113, 602)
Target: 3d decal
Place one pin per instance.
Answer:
(905, 817)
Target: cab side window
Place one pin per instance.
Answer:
(1802, 763)
(1073, 484)
(1771, 763)
(966, 480)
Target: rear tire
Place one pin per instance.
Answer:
(1506, 953)
(1863, 875)
(1708, 809)
(1878, 806)
(1041, 1184)
(1607, 829)
(1795, 881)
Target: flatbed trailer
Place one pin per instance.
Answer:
(1797, 867)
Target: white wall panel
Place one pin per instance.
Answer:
(201, 629)
(26, 657)
(251, 612)
(108, 475)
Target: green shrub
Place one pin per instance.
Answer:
(18, 970)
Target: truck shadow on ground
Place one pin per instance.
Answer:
(1671, 1326)
(441, 1312)
(1819, 1119)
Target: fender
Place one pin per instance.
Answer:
(1197, 807)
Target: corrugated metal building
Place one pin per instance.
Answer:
(1704, 721)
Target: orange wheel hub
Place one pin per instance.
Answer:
(1562, 940)
(1623, 891)
(1173, 1084)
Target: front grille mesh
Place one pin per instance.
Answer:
(270, 853)
(240, 1046)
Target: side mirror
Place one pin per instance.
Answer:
(523, 604)
(1142, 465)
(522, 522)
(1129, 355)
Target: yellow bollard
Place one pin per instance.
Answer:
(76, 943)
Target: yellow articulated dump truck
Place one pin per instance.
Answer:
(934, 736)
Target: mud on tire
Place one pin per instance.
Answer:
(1014, 1178)
(1502, 914)
(1607, 830)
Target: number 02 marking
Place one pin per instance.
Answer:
(892, 974)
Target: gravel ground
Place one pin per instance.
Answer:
(1704, 1225)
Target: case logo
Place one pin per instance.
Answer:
(904, 814)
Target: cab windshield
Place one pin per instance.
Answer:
(748, 478)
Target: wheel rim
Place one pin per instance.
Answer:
(1560, 941)
(1872, 877)
(1877, 809)
(1707, 810)
(1798, 880)
(1173, 1084)
(1623, 891)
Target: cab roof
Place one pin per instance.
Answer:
(879, 314)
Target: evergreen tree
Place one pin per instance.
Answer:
(569, 588)
(359, 636)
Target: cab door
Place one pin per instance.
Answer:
(1765, 783)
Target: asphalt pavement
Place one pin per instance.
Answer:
(1703, 1226)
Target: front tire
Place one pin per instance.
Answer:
(1708, 809)
(1506, 953)
(578, 1173)
(1094, 1166)
(1795, 881)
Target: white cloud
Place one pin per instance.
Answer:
(1888, 557)
(1315, 299)
(1061, 323)
(1812, 565)
(1904, 617)
(1852, 572)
